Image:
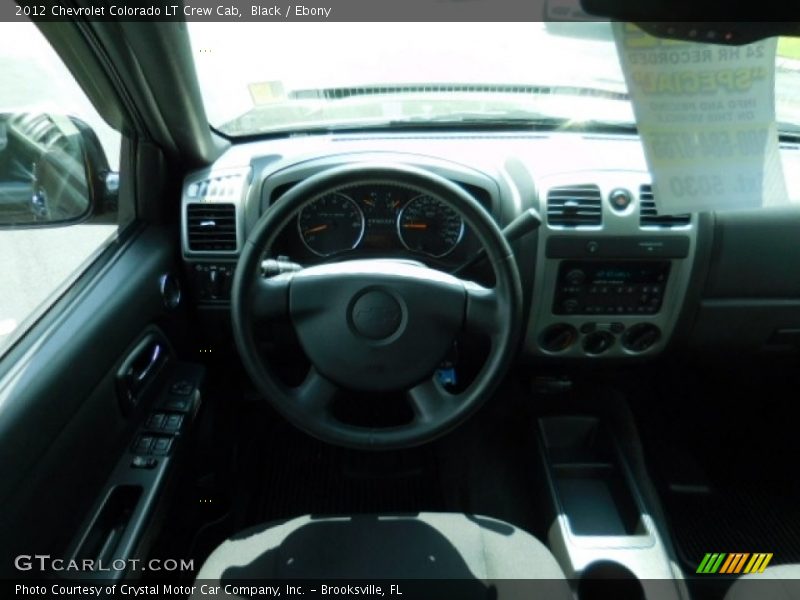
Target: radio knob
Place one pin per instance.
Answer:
(570, 305)
(576, 277)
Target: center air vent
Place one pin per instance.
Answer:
(648, 215)
(574, 206)
(211, 227)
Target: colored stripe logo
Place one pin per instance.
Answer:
(734, 563)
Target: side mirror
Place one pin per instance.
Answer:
(53, 171)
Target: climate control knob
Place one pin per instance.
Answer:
(598, 342)
(640, 337)
(558, 337)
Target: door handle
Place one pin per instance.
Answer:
(139, 369)
(153, 357)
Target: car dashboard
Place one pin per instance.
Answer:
(604, 277)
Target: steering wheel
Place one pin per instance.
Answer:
(377, 325)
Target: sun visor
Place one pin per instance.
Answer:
(706, 117)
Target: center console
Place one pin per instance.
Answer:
(611, 273)
(602, 533)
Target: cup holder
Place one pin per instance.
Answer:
(608, 579)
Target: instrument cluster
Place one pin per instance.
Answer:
(379, 218)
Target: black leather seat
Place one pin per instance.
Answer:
(421, 546)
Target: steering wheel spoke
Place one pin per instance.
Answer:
(429, 400)
(483, 310)
(315, 395)
(270, 297)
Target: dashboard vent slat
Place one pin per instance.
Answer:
(575, 206)
(648, 214)
(211, 227)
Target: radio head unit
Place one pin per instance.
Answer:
(622, 287)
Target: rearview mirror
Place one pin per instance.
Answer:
(693, 21)
(53, 171)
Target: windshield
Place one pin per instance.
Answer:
(270, 77)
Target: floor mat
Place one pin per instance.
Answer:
(305, 476)
(722, 447)
(747, 518)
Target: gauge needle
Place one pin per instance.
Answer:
(316, 229)
(415, 226)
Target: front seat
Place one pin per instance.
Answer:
(778, 582)
(480, 552)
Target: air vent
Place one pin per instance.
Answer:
(649, 217)
(575, 206)
(211, 227)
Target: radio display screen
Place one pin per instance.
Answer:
(630, 273)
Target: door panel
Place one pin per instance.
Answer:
(61, 423)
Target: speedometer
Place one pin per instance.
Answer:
(332, 223)
(428, 225)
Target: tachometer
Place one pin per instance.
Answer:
(428, 225)
(330, 224)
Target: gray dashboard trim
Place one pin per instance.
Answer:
(237, 199)
(615, 225)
